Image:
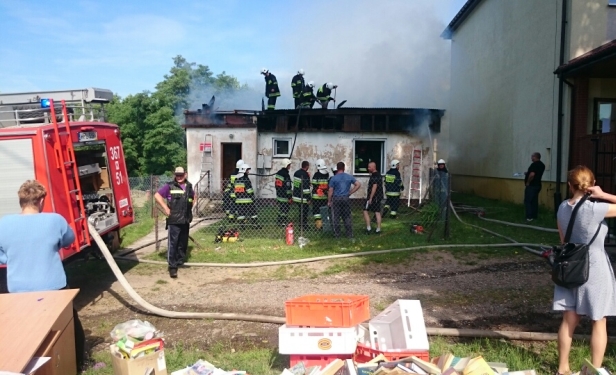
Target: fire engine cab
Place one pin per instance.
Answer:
(61, 139)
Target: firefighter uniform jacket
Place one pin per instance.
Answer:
(393, 183)
(323, 93)
(301, 186)
(297, 85)
(283, 185)
(308, 97)
(319, 185)
(271, 86)
(242, 187)
(181, 203)
(229, 188)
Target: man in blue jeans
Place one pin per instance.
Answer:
(338, 199)
(532, 180)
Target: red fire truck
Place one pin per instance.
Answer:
(80, 162)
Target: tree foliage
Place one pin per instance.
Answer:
(153, 140)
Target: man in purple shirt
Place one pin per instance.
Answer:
(176, 199)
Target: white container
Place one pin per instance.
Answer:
(400, 326)
(317, 340)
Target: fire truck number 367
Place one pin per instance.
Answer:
(114, 153)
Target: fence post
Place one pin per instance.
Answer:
(157, 246)
(152, 200)
(448, 208)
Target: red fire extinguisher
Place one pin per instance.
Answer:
(289, 234)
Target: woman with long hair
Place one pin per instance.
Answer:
(595, 299)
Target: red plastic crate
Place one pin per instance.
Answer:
(316, 360)
(328, 310)
(365, 354)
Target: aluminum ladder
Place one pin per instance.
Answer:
(416, 172)
(206, 155)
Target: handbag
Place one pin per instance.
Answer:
(570, 267)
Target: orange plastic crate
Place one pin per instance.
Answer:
(316, 360)
(365, 354)
(328, 310)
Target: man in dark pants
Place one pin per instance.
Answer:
(338, 199)
(393, 187)
(271, 89)
(176, 199)
(297, 85)
(301, 192)
(374, 196)
(284, 192)
(532, 180)
(319, 192)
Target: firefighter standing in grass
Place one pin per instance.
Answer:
(176, 199)
(301, 192)
(244, 196)
(271, 89)
(284, 192)
(393, 187)
(228, 194)
(324, 92)
(308, 98)
(319, 192)
(297, 85)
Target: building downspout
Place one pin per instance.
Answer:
(559, 136)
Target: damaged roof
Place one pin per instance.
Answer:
(459, 18)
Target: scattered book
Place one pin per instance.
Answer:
(477, 366)
(525, 372)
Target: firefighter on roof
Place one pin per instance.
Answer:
(393, 187)
(176, 199)
(324, 92)
(301, 191)
(271, 89)
(228, 198)
(284, 193)
(308, 98)
(244, 196)
(297, 85)
(319, 192)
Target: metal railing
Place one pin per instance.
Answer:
(35, 115)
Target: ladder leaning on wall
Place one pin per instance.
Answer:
(416, 172)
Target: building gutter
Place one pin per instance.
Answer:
(559, 132)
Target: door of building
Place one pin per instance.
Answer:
(231, 153)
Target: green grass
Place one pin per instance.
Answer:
(518, 355)
(143, 225)
(267, 244)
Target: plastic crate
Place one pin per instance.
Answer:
(401, 326)
(317, 340)
(327, 310)
(364, 354)
(316, 360)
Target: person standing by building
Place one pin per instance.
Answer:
(393, 187)
(532, 181)
(244, 196)
(30, 244)
(301, 192)
(319, 192)
(272, 92)
(308, 98)
(374, 196)
(324, 92)
(284, 192)
(297, 85)
(341, 186)
(176, 199)
(228, 197)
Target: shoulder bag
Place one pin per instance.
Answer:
(570, 267)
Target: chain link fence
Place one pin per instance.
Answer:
(259, 214)
(142, 190)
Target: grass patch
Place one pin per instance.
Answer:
(267, 243)
(160, 281)
(143, 225)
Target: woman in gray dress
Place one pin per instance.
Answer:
(597, 297)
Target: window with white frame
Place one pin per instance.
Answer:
(282, 147)
(366, 151)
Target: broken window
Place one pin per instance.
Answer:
(366, 151)
(282, 147)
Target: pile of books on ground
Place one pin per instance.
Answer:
(202, 367)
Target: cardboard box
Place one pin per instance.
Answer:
(138, 366)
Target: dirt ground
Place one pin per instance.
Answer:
(502, 293)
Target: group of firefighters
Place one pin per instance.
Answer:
(303, 94)
(300, 189)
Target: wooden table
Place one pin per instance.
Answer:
(38, 324)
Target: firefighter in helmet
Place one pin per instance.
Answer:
(393, 187)
(301, 191)
(323, 94)
(244, 197)
(297, 85)
(308, 98)
(228, 198)
(319, 192)
(272, 92)
(284, 192)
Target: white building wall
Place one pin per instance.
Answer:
(592, 23)
(503, 94)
